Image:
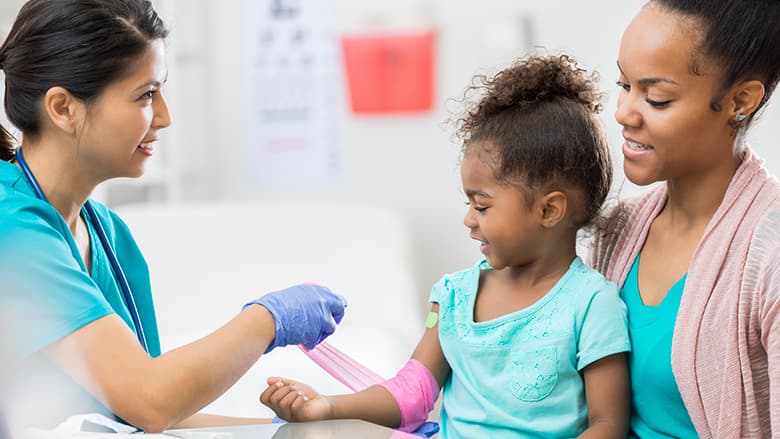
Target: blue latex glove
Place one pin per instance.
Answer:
(303, 314)
(427, 430)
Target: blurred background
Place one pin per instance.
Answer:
(323, 126)
(261, 105)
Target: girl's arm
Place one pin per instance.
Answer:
(294, 401)
(607, 392)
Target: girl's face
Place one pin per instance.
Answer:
(498, 215)
(670, 129)
(123, 124)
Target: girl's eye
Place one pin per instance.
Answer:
(623, 85)
(657, 104)
(477, 208)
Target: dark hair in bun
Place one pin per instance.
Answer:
(539, 119)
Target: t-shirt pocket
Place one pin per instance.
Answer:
(534, 373)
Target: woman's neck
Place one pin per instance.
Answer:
(59, 174)
(695, 198)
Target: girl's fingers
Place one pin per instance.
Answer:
(285, 404)
(273, 386)
(297, 406)
(279, 394)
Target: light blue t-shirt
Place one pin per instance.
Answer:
(519, 375)
(46, 294)
(657, 409)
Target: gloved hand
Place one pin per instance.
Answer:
(304, 314)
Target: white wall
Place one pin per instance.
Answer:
(407, 162)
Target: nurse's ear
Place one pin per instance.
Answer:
(64, 111)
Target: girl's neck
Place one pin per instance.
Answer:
(547, 268)
(59, 174)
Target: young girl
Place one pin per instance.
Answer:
(528, 341)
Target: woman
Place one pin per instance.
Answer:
(698, 258)
(83, 85)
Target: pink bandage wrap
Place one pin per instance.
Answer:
(415, 390)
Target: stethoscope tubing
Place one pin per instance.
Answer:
(119, 274)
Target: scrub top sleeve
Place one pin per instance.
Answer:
(604, 327)
(45, 293)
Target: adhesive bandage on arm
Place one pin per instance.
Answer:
(415, 390)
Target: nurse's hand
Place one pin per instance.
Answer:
(295, 402)
(303, 314)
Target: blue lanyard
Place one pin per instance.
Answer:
(101, 233)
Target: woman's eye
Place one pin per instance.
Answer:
(623, 85)
(657, 104)
(148, 95)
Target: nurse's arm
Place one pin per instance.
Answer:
(155, 394)
(608, 397)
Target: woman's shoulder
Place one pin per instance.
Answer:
(20, 213)
(113, 223)
(766, 233)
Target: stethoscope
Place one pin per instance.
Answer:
(101, 233)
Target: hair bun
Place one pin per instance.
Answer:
(541, 78)
(527, 82)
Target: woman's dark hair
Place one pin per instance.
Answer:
(80, 45)
(742, 37)
(540, 116)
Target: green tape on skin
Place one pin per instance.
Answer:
(431, 320)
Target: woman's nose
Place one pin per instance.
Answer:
(626, 113)
(162, 116)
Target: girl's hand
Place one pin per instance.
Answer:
(296, 402)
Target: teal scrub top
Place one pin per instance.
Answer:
(520, 375)
(46, 292)
(657, 409)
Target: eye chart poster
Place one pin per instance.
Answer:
(294, 91)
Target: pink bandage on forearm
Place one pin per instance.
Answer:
(415, 390)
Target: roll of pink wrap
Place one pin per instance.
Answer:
(340, 366)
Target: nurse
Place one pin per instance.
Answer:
(84, 81)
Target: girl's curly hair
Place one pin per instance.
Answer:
(539, 119)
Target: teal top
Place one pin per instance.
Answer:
(46, 292)
(657, 409)
(519, 375)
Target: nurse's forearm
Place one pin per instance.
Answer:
(154, 394)
(203, 420)
(190, 377)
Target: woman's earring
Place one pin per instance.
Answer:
(740, 117)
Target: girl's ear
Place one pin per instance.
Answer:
(553, 208)
(63, 110)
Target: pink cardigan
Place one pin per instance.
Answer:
(726, 343)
